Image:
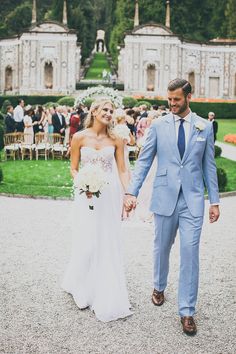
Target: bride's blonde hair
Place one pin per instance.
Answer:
(98, 106)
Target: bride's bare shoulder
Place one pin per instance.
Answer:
(81, 135)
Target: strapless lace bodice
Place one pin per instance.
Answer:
(104, 157)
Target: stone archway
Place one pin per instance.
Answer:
(48, 75)
(8, 78)
(151, 77)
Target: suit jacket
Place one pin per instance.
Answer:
(10, 123)
(190, 173)
(215, 128)
(57, 124)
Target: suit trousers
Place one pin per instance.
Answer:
(165, 232)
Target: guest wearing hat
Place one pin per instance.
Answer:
(29, 139)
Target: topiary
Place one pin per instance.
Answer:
(129, 102)
(222, 179)
(88, 102)
(4, 106)
(148, 104)
(218, 151)
(50, 104)
(66, 101)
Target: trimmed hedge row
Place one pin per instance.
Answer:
(222, 109)
(33, 100)
(85, 85)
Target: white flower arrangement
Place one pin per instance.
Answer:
(122, 131)
(200, 126)
(101, 92)
(92, 179)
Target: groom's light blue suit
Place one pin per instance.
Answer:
(178, 198)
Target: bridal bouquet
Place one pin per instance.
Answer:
(90, 179)
(122, 131)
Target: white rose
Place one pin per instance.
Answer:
(200, 126)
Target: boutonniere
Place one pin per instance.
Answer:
(200, 126)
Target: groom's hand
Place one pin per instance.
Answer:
(130, 202)
(214, 213)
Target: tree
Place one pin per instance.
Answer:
(231, 18)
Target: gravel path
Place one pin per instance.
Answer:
(228, 151)
(36, 316)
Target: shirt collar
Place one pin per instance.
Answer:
(187, 118)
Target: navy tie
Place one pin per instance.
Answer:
(181, 139)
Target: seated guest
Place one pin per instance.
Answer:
(10, 124)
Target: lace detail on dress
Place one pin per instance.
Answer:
(103, 157)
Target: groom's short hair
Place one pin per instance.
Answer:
(180, 83)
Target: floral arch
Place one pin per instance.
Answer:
(100, 92)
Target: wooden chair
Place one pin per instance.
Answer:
(58, 149)
(27, 146)
(12, 143)
(42, 145)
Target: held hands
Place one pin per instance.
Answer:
(214, 213)
(130, 202)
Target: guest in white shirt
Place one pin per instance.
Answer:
(18, 115)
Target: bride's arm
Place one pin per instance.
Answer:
(75, 154)
(120, 160)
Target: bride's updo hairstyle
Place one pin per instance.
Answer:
(97, 106)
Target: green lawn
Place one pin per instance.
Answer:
(37, 178)
(230, 169)
(52, 178)
(225, 126)
(99, 63)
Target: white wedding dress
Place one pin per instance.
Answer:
(95, 273)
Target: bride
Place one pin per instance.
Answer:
(95, 274)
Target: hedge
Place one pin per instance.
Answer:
(218, 151)
(84, 85)
(221, 109)
(33, 100)
(222, 179)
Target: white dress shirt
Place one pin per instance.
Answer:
(186, 126)
(18, 114)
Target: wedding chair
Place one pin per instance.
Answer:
(57, 147)
(42, 145)
(12, 142)
(27, 146)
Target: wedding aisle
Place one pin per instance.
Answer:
(36, 316)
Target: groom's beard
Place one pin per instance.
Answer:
(182, 108)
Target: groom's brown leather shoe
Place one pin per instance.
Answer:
(189, 326)
(158, 297)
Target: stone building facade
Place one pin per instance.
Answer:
(45, 59)
(153, 55)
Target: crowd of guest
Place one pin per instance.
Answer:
(66, 121)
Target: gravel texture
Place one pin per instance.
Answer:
(36, 316)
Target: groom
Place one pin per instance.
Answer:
(184, 145)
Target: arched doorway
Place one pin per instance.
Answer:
(100, 45)
(48, 75)
(151, 77)
(8, 78)
(191, 79)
